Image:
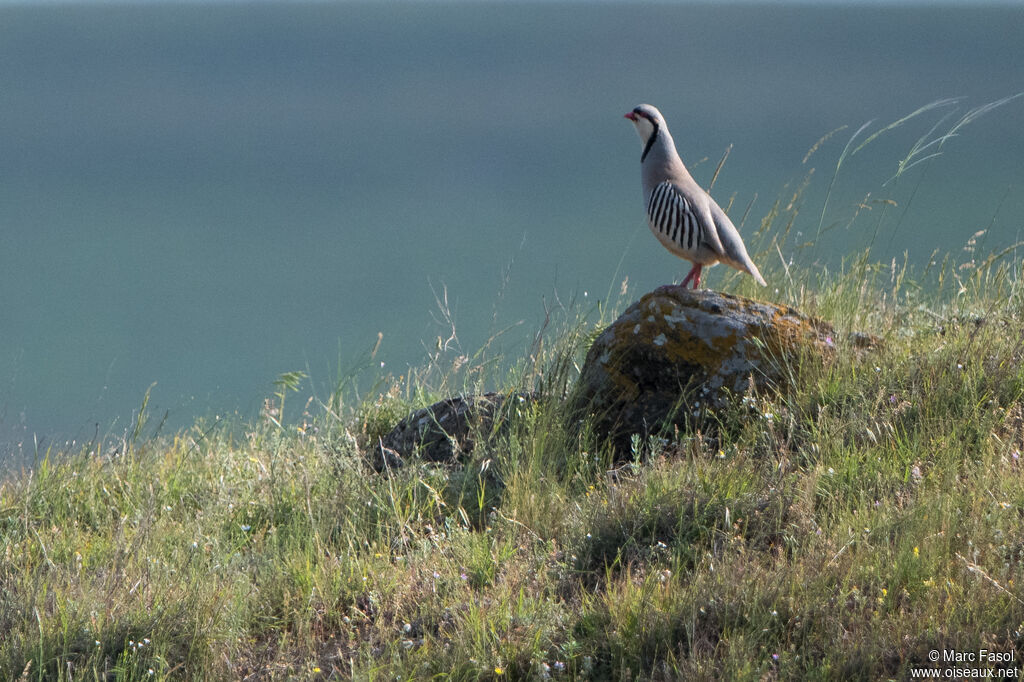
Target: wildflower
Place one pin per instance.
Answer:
(559, 666)
(150, 672)
(775, 657)
(436, 575)
(917, 552)
(829, 342)
(498, 670)
(892, 399)
(316, 668)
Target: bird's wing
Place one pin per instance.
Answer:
(732, 243)
(682, 218)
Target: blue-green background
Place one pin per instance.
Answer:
(205, 196)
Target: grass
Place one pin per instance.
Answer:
(840, 531)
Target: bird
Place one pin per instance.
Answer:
(684, 218)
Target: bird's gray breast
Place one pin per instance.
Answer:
(671, 217)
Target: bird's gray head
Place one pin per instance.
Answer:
(649, 122)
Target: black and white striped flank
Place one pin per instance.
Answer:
(670, 214)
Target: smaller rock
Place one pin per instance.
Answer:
(447, 430)
(864, 340)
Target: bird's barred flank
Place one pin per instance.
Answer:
(670, 214)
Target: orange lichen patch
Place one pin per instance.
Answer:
(791, 335)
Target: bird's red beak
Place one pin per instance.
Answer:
(631, 116)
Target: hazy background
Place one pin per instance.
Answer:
(205, 196)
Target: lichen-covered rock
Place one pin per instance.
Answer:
(447, 430)
(677, 352)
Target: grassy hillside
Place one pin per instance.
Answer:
(840, 532)
(853, 528)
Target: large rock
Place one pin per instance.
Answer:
(676, 353)
(447, 431)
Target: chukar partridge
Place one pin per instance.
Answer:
(684, 218)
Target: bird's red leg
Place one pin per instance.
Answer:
(693, 276)
(695, 270)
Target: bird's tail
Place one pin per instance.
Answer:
(732, 244)
(755, 273)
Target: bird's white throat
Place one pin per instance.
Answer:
(644, 128)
